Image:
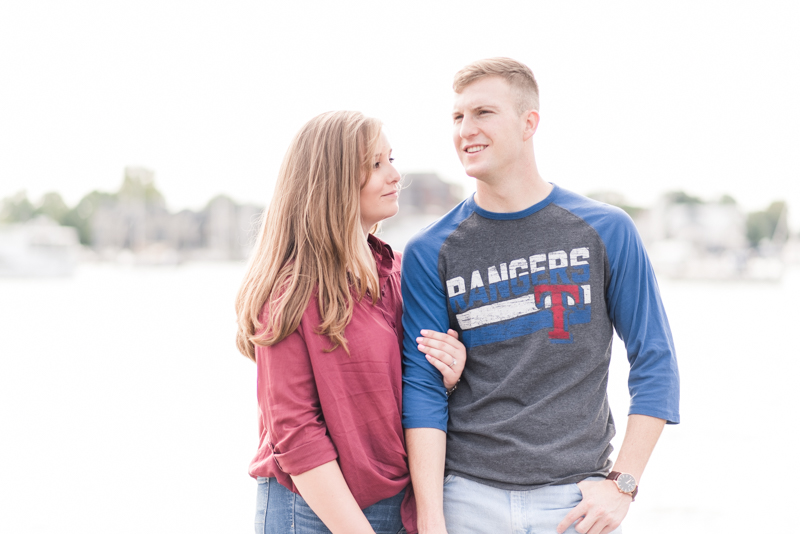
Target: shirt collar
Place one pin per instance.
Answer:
(384, 255)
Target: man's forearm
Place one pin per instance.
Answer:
(603, 507)
(640, 439)
(426, 452)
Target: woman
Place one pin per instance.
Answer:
(319, 312)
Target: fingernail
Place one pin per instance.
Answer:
(419, 340)
(423, 332)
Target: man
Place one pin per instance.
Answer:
(534, 279)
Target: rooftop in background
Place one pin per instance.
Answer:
(424, 198)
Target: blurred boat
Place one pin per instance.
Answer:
(39, 247)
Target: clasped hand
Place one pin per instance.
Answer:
(445, 352)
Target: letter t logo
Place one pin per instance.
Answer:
(557, 294)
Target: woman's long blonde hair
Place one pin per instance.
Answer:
(311, 235)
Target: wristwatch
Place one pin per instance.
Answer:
(625, 483)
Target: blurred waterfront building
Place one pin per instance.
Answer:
(185, 230)
(709, 228)
(136, 224)
(228, 229)
(689, 238)
(427, 193)
(424, 198)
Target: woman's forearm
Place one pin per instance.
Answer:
(326, 492)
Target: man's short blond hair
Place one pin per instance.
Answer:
(518, 75)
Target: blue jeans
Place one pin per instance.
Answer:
(470, 507)
(279, 511)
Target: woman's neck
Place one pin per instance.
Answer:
(369, 259)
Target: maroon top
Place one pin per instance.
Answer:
(317, 406)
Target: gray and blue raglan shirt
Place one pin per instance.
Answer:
(535, 296)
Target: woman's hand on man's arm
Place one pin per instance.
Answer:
(445, 352)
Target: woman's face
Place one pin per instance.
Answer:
(379, 194)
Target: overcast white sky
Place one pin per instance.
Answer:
(636, 97)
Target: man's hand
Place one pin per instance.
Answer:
(603, 506)
(601, 510)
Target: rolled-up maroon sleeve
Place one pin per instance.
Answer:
(287, 396)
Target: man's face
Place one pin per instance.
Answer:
(488, 132)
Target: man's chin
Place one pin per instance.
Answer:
(475, 172)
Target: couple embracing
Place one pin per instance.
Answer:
(466, 390)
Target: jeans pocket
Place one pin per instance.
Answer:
(575, 493)
(447, 479)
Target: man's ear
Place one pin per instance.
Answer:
(531, 123)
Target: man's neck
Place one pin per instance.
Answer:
(512, 194)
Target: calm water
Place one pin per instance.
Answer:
(124, 406)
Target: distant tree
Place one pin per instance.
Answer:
(727, 200)
(221, 198)
(80, 217)
(139, 184)
(16, 209)
(616, 199)
(767, 224)
(681, 197)
(53, 206)
(609, 197)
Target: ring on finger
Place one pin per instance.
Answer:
(454, 363)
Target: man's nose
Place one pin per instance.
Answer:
(467, 128)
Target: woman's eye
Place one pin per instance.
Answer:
(391, 160)
(377, 165)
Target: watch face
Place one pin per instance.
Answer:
(626, 483)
